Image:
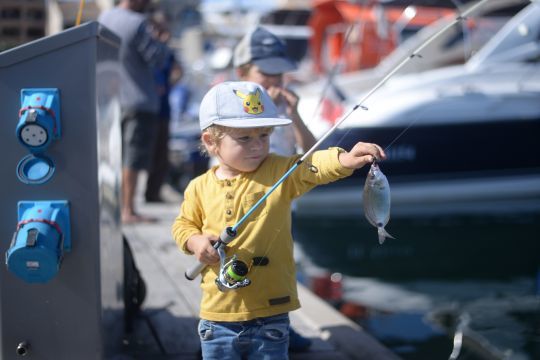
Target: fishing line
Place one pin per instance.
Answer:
(230, 233)
(401, 134)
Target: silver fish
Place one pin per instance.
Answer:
(377, 201)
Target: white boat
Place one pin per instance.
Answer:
(452, 47)
(460, 139)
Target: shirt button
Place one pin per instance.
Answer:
(228, 183)
(228, 212)
(229, 196)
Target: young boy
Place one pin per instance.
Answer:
(236, 120)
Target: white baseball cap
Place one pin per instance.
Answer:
(239, 104)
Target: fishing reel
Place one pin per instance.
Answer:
(232, 273)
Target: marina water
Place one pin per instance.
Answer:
(413, 292)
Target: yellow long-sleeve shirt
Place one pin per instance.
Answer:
(210, 205)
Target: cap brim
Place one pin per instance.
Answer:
(275, 65)
(253, 122)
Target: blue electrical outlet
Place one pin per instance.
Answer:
(42, 238)
(39, 118)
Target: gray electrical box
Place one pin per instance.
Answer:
(61, 286)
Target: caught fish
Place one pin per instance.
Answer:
(377, 201)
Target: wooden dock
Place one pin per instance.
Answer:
(167, 325)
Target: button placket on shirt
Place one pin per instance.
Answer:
(229, 197)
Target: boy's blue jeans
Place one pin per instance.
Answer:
(262, 338)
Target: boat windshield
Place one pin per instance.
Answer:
(518, 41)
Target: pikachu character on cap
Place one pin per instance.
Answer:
(252, 101)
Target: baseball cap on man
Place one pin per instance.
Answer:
(239, 104)
(264, 49)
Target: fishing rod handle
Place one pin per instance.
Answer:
(226, 237)
(195, 270)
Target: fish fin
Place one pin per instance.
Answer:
(383, 234)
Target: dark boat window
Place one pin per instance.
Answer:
(536, 58)
(456, 39)
(507, 11)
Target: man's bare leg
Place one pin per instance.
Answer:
(129, 185)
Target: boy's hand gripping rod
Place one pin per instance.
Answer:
(230, 232)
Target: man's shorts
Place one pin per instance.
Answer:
(139, 134)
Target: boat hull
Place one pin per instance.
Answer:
(446, 169)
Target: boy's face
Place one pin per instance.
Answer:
(243, 150)
(267, 81)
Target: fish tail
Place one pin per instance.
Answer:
(383, 234)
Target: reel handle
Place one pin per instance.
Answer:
(226, 236)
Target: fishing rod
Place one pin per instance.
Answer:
(230, 232)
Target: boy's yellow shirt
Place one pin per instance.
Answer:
(210, 205)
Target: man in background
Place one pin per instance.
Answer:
(140, 54)
(159, 166)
